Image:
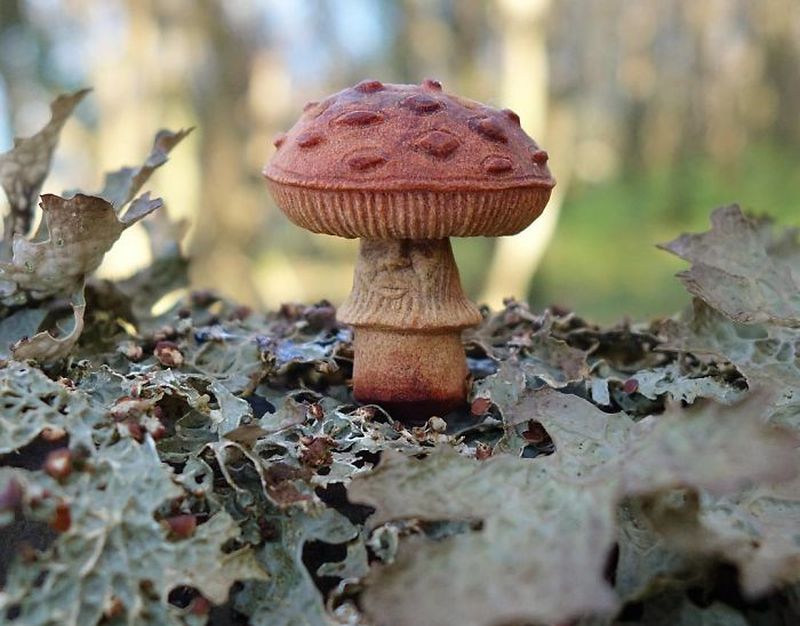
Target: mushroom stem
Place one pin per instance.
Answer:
(412, 375)
(408, 309)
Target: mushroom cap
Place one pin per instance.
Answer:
(385, 161)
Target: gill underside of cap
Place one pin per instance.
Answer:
(415, 214)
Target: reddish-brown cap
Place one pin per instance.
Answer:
(408, 161)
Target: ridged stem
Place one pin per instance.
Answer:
(408, 309)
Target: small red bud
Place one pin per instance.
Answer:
(200, 606)
(62, 519)
(58, 463)
(132, 351)
(11, 496)
(127, 407)
(134, 430)
(316, 451)
(182, 526)
(480, 406)
(630, 386)
(114, 608)
(168, 354)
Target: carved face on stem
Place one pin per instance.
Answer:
(394, 270)
(404, 167)
(409, 284)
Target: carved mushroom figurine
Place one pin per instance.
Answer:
(403, 168)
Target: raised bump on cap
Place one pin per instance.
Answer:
(489, 128)
(365, 161)
(494, 164)
(432, 83)
(512, 115)
(309, 139)
(359, 118)
(438, 143)
(540, 157)
(369, 86)
(315, 109)
(279, 140)
(422, 104)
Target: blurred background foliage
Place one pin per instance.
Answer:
(653, 113)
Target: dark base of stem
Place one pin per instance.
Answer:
(417, 412)
(412, 375)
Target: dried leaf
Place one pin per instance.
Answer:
(290, 597)
(503, 388)
(538, 557)
(646, 557)
(81, 230)
(766, 355)
(21, 323)
(673, 608)
(678, 385)
(191, 559)
(756, 529)
(46, 348)
(700, 446)
(560, 507)
(735, 270)
(553, 360)
(231, 411)
(24, 168)
(121, 186)
(354, 565)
